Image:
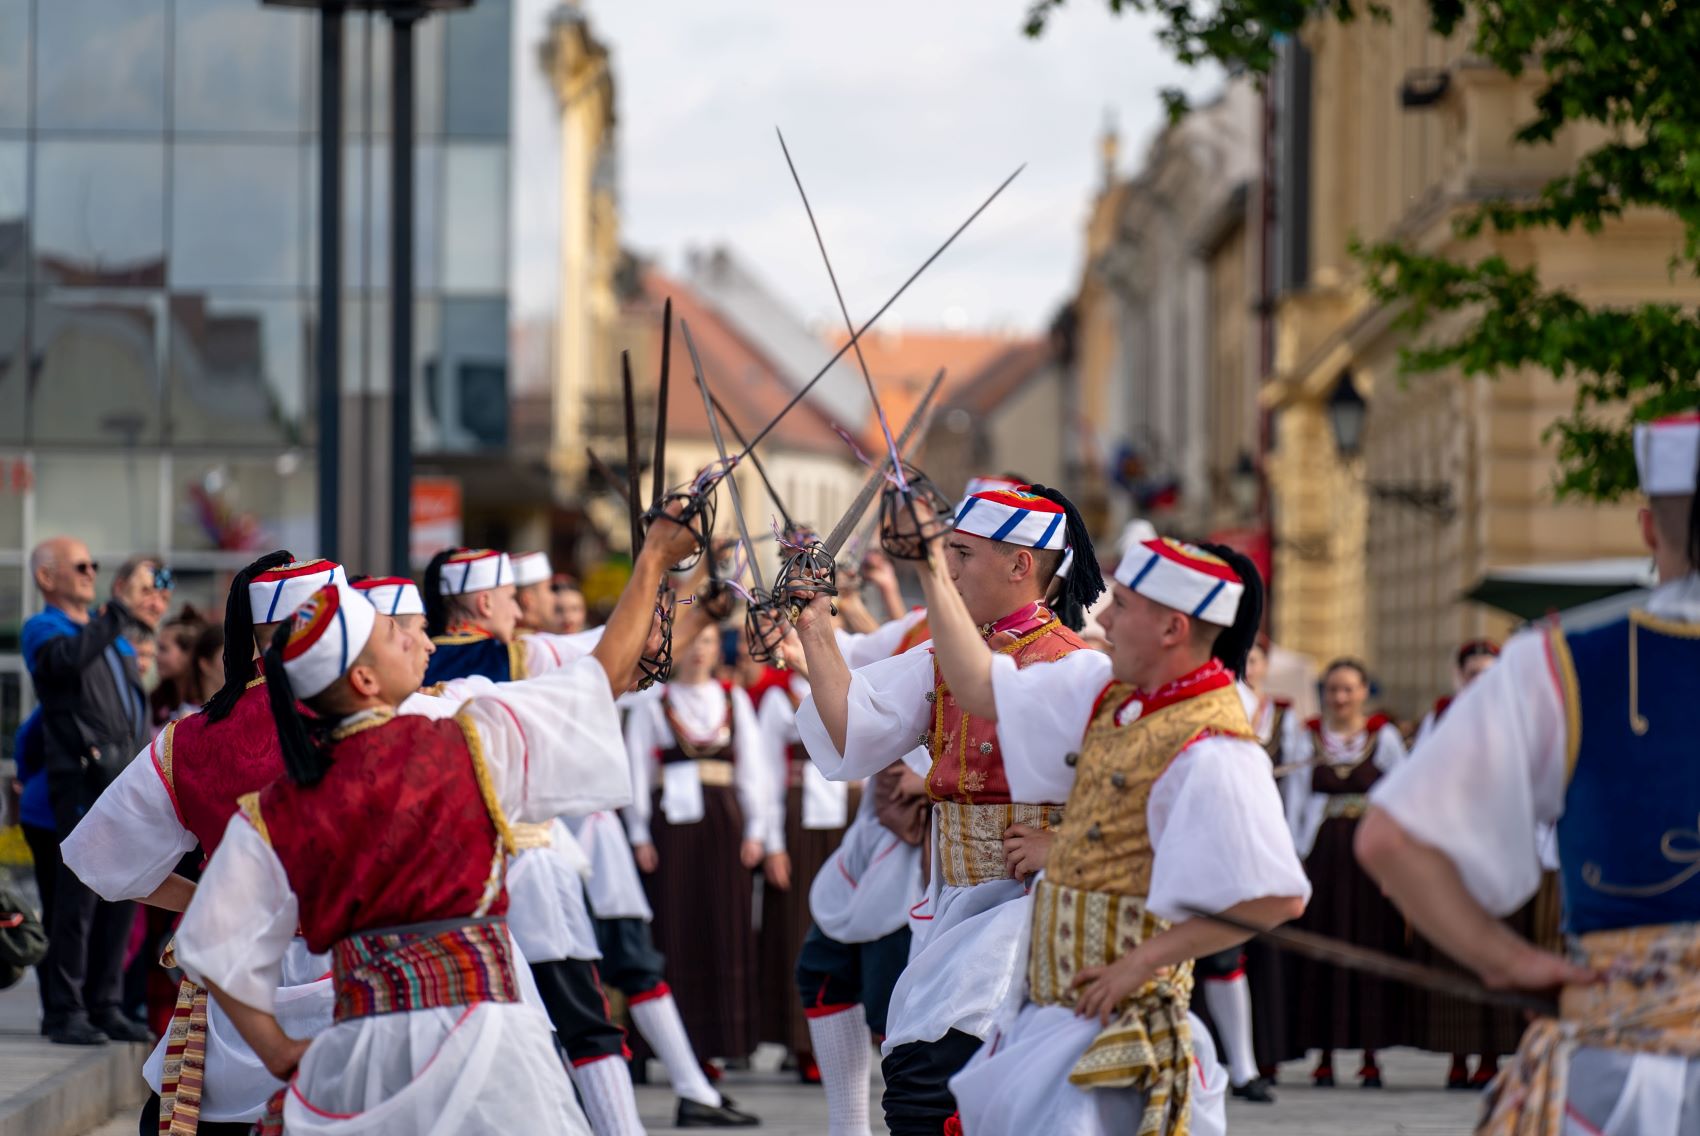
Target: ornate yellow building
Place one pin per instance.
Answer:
(1384, 130)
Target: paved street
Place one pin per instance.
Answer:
(1411, 1105)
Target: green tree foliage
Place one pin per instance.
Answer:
(1631, 66)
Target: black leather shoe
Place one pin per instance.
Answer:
(1323, 1078)
(694, 1115)
(119, 1028)
(80, 1032)
(1255, 1090)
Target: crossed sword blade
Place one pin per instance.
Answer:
(659, 458)
(863, 330)
(1322, 948)
(876, 478)
(634, 510)
(727, 463)
(732, 425)
(849, 324)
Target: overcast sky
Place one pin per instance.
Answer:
(902, 116)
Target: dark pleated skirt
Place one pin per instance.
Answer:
(785, 923)
(1453, 1025)
(1329, 1007)
(703, 902)
(1268, 971)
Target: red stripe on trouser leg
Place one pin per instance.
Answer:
(608, 1011)
(1229, 977)
(812, 1012)
(661, 990)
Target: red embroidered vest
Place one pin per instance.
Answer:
(967, 764)
(403, 829)
(914, 637)
(206, 766)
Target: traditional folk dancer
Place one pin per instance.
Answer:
(381, 868)
(1446, 1024)
(1170, 813)
(1006, 547)
(179, 793)
(1331, 1007)
(1592, 731)
(473, 617)
(702, 791)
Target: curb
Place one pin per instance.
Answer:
(81, 1096)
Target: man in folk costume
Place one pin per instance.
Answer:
(1170, 811)
(472, 616)
(202, 1076)
(1006, 547)
(372, 847)
(1592, 730)
(533, 592)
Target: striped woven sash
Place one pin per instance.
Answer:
(423, 966)
(185, 1057)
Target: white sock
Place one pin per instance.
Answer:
(1229, 1000)
(844, 1053)
(656, 1016)
(609, 1103)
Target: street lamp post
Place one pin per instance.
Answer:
(403, 14)
(1348, 413)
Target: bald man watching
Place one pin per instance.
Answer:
(94, 718)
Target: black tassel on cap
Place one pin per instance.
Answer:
(239, 635)
(1085, 580)
(436, 609)
(306, 759)
(1234, 644)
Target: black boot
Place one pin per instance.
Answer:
(723, 1115)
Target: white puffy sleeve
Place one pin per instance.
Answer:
(1390, 751)
(1218, 836)
(241, 921)
(646, 734)
(1491, 774)
(129, 842)
(1043, 712)
(754, 771)
(1304, 805)
(778, 720)
(881, 643)
(545, 652)
(888, 712)
(552, 744)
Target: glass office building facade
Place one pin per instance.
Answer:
(158, 248)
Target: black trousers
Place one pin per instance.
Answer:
(917, 1083)
(572, 993)
(630, 962)
(44, 853)
(149, 1125)
(831, 973)
(86, 943)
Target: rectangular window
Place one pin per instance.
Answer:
(239, 66)
(14, 63)
(236, 215)
(100, 213)
(239, 370)
(96, 359)
(100, 65)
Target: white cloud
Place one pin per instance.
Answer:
(902, 116)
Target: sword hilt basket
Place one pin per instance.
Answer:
(903, 535)
(658, 667)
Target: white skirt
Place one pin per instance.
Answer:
(1017, 1083)
(866, 887)
(1613, 1093)
(485, 1070)
(615, 890)
(235, 1086)
(547, 912)
(965, 961)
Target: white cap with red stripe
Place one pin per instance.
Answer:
(531, 568)
(1184, 577)
(1667, 455)
(475, 570)
(392, 595)
(326, 635)
(276, 592)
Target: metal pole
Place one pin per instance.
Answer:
(330, 276)
(401, 288)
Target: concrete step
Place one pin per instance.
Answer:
(65, 1090)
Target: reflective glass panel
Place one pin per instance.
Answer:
(14, 63)
(108, 500)
(475, 218)
(16, 477)
(236, 215)
(466, 376)
(243, 504)
(239, 66)
(98, 368)
(476, 70)
(238, 370)
(14, 202)
(100, 213)
(100, 65)
(14, 367)
(366, 215)
(366, 90)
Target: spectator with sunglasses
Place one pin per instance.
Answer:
(94, 718)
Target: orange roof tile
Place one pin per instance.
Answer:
(902, 363)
